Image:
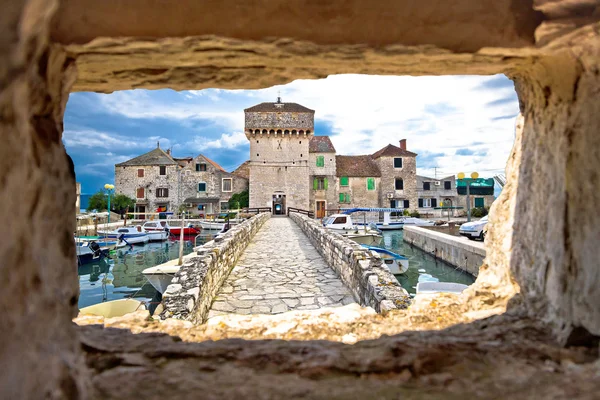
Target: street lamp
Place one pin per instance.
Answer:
(109, 188)
(461, 176)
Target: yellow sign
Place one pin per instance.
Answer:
(461, 175)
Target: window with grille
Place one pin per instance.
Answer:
(162, 170)
(162, 192)
(370, 183)
(202, 187)
(398, 162)
(399, 184)
(226, 185)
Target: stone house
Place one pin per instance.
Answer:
(323, 169)
(358, 181)
(398, 168)
(433, 193)
(159, 182)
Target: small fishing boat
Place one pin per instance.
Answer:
(92, 249)
(397, 264)
(440, 287)
(417, 221)
(154, 226)
(343, 224)
(157, 236)
(114, 308)
(130, 235)
(161, 276)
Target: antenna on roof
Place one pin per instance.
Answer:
(158, 144)
(279, 96)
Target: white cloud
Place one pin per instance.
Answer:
(225, 141)
(94, 139)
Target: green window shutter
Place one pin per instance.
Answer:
(479, 202)
(315, 183)
(197, 167)
(325, 183)
(370, 183)
(347, 197)
(320, 161)
(342, 197)
(344, 181)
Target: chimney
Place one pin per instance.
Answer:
(169, 151)
(403, 144)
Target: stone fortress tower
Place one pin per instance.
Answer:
(279, 134)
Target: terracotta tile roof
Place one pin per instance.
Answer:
(356, 166)
(393, 151)
(243, 171)
(287, 107)
(320, 144)
(154, 157)
(214, 164)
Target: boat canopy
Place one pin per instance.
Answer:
(353, 210)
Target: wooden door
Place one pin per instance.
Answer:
(320, 209)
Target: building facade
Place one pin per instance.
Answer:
(434, 193)
(322, 162)
(279, 135)
(161, 183)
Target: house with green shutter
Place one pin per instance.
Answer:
(359, 181)
(322, 167)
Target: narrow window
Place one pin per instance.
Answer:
(344, 181)
(141, 173)
(202, 187)
(342, 197)
(398, 162)
(140, 193)
(320, 161)
(406, 204)
(226, 185)
(426, 185)
(200, 167)
(320, 184)
(399, 184)
(448, 185)
(370, 183)
(433, 202)
(479, 202)
(162, 170)
(162, 192)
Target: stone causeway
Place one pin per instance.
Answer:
(280, 271)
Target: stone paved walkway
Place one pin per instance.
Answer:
(280, 271)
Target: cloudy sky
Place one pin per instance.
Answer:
(454, 123)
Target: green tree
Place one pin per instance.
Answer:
(98, 201)
(118, 202)
(239, 200)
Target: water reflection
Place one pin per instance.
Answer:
(422, 266)
(121, 276)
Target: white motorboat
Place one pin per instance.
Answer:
(440, 287)
(91, 249)
(343, 224)
(163, 225)
(157, 236)
(130, 235)
(417, 221)
(114, 308)
(396, 263)
(161, 276)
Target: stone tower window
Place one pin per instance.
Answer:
(302, 132)
(287, 132)
(257, 131)
(257, 141)
(308, 131)
(279, 131)
(399, 184)
(293, 132)
(264, 131)
(272, 131)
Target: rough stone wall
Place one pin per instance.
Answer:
(457, 251)
(330, 196)
(191, 293)
(40, 350)
(127, 183)
(279, 120)
(359, 195)
(408, 173)
(266, 179)
(364, 274)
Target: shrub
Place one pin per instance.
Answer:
(406, 213)
(479, 212)
(415, 214)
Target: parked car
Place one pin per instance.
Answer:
(474, 230)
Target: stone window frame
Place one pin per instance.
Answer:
(205, 186)
(137, 193)
(448, 183)
(320, 183)
(162, 192)
(223, 184)
(199, 167)
(401, 162)
(162, 170)
(140, 172)
(396, 180)
(370, 179)
(320, 161)
(426, 185)
(345, 179)
(344, 198)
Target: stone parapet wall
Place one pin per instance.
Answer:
(364, 275)
(457, 251)
(191, 293)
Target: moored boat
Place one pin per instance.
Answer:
(89, 250)
(114, 308)
(157, 236)
(440, 287)
(130, 235)
(396, 263)
(343, 224)
(163, 225)
(161, 276)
